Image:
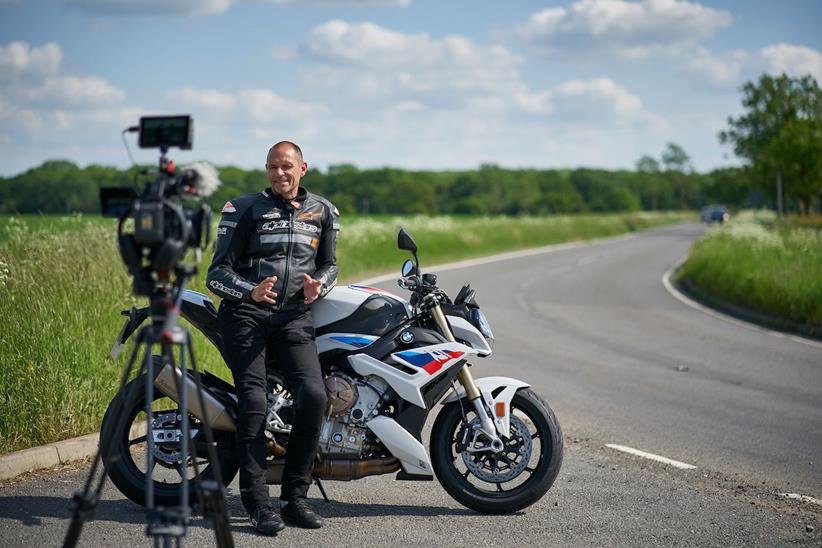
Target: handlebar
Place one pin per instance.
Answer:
(424, 290)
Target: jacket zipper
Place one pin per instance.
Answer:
(287, 256)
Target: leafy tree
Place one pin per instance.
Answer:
(647, 164)
(674, 158)
(781, 132)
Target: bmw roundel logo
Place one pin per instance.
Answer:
(407, 337)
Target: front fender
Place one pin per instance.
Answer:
(486, 386)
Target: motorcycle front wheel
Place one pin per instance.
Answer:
(123, 446)
(502, 482)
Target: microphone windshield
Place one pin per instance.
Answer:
(205, 178)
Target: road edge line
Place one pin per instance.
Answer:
(644, 454)
(465, 263)
(802, 498)
(684, 299)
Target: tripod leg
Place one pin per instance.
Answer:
(214, 504)
(85, 502)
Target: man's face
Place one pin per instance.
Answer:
(285, 168)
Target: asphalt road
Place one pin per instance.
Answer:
(621, 362)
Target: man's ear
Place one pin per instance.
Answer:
(304, 168)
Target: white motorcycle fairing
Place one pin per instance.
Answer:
(486, 386)
(420, 366)
(465, 331)
(412, 455)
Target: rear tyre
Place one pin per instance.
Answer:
(123, 446)
(504, 482)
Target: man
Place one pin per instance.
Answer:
(275, 255)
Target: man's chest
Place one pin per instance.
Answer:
(277, 225)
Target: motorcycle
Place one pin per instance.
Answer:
(495, 446)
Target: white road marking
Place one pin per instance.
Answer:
(803, 498)
(502, 257)
(651, 456)
(681, 297)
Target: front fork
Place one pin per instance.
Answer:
(467, 381)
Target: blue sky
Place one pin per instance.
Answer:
(407, 83)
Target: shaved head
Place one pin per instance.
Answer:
(287, 144)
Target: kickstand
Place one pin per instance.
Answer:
(322, 491)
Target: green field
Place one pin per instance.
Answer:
(772, 269)
(62, 286)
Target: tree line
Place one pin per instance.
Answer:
(778, 136)
(60, 186)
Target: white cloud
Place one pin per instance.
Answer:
(364, 60)
(40, 105)
(584, 99)
(21, 58)
(266, 106)
(75, 91)
(259, 105)
(722, 71)
(629, 29)
(208, 99)
(729, 69)
(793, 60)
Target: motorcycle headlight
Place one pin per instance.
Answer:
(481, 322)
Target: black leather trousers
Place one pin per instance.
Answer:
(250, 333)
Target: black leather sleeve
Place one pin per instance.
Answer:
(326, 261)
(232, 236)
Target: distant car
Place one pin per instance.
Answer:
(715, 214)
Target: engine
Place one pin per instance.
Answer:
(351, 403)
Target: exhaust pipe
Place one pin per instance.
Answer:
(345, 469)
(339, 469)
(218, 416)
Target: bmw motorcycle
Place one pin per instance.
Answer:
(495, 446)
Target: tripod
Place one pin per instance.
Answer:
(166, 526)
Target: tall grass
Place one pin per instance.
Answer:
(768, 267)
(62, 286)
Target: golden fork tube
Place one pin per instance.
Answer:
(465, 377)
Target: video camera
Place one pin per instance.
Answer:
(169, 214)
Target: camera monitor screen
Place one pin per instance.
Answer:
(166, 131)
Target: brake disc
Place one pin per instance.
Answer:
(166, 434)
(508, 463)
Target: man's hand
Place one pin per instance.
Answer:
(262, 291)
(311, 288)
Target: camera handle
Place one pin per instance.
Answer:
(166, 525)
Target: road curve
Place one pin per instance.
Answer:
(624, 362)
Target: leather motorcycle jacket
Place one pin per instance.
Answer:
(262, 235)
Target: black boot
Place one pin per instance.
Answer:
(298, 512)
(266, 521)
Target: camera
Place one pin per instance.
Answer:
(170, 216)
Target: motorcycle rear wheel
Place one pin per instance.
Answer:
(123, 446)
(501, 483)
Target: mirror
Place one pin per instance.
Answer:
(406, 242)
(408, 268)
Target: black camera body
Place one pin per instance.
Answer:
(169, 214)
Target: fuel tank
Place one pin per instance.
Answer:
(347, 318)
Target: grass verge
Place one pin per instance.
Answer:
(62, 286)
(768, 271)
